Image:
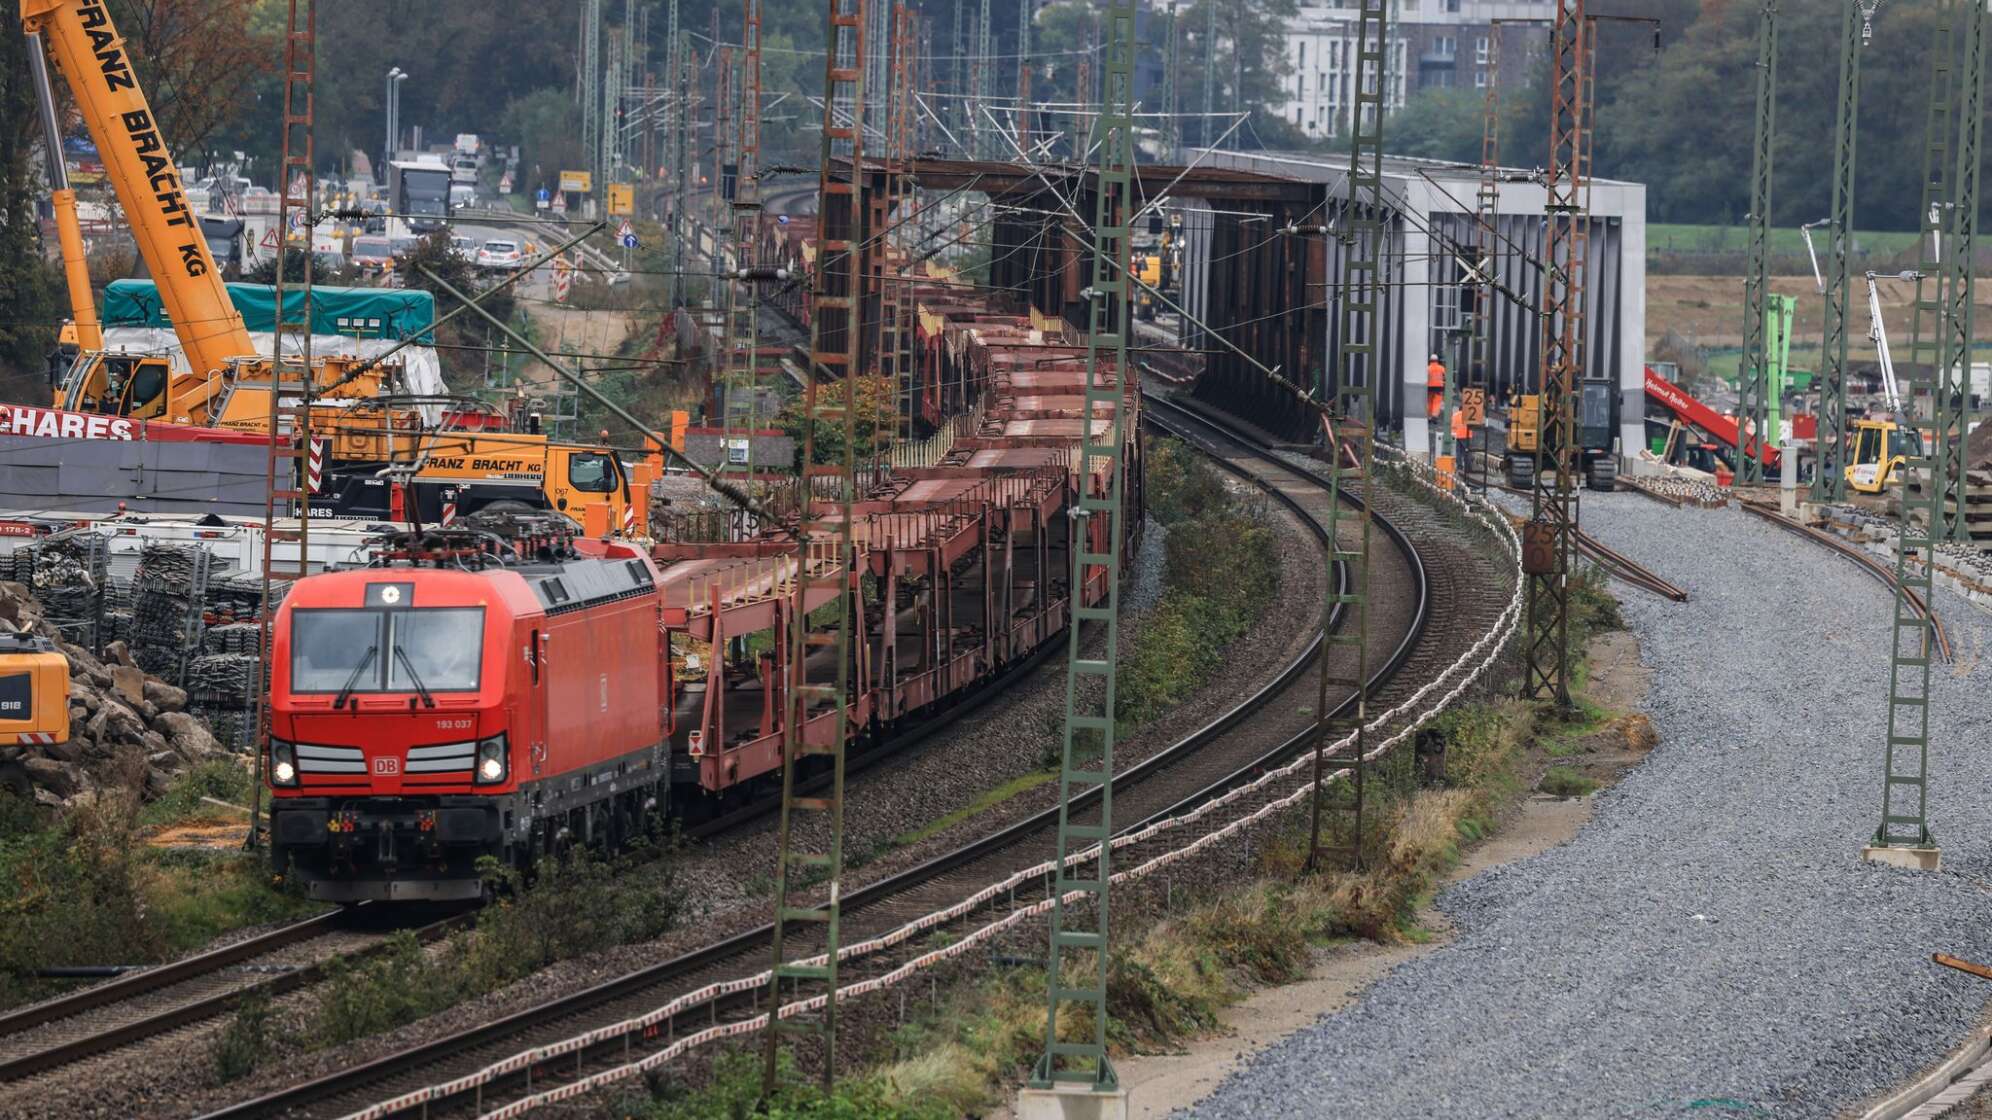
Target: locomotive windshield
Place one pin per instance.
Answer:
(425, 650)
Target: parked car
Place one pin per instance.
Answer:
(465, 247)
(500, 254)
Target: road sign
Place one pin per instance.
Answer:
(560, 203)
(543, 199)
(626, 236)
(1473, 402)
(581, 181)
(781, 219)
(622, 198)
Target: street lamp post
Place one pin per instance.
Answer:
(395, 77)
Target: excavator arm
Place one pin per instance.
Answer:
(90, 54)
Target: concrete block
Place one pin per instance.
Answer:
(1910, 859)
(1071, 1102)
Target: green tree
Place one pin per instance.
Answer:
(29, 284)
(1443, 124)
(459, 341)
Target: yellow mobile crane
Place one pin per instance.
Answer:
(227, 381)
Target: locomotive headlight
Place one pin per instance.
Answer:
(492, 762)
(283, 763)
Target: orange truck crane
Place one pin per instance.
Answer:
(226, 384)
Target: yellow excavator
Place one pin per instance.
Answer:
(228, 384)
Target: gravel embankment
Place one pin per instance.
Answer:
(725, 885)
(1712, 940)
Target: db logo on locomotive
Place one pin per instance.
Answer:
(387, 766)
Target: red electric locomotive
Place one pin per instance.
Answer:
(464, 695)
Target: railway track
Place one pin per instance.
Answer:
(507, 1066)
(1611, 561)
(48, 1036)
(1869, 564)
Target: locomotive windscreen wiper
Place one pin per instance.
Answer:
(346, 690)
(414, 678)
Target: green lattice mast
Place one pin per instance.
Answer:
(1951, 399)
(740, 407)
(1079, 930)
(1351, 425)
(820, 663)
(1753, 383)
(1905, 792)
(1829, 482)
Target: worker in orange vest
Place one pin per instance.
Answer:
(1435, 387)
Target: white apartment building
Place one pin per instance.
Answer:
(1434, 44)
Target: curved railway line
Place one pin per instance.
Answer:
(47, 1036)
(1219, 773)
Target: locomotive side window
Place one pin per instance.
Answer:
(592, 472)
(434, 649)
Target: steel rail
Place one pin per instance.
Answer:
(1868, 563)
(1391, 666)
(752, 941)
(1609, 560)
(148, 979)
(124, 1034)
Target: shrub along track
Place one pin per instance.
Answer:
(572, 1044)
(44, 1037)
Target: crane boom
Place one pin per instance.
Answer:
(90, 53)
(1878, 332)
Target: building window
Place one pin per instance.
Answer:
(1447, 300)
(1480, 79)
(1303, 56)
(1480, 50)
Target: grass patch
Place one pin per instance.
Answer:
(83, 888)
(1221, 570)
(989, 799)
(1687, 238)
(1562, 781)
(245, 1042)
(581, 904)
(735, 1094)
(224, 779)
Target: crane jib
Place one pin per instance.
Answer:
(160, 174)
(85, 44)
(105, 45)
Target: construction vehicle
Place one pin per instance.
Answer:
(226, 383)
(1880, 444)
(1595, 456)
(34, 691)
(1678, 408)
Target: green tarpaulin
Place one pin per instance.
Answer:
(396, 313)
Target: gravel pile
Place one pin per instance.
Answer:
(1712, 939)
(1695, 491)
(127, 729)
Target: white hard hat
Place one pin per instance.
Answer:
(1435, 357)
